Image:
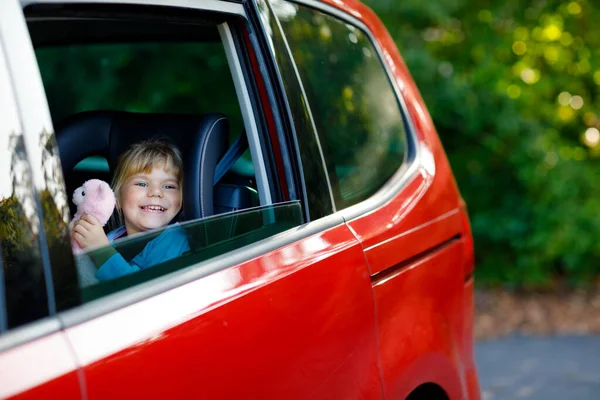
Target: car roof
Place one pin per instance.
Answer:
(341, 4)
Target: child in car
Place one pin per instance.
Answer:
(148, 188)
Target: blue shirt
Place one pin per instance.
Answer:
(171, 243)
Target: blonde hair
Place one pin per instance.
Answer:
(142, 157)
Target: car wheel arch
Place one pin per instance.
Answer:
(428, 391)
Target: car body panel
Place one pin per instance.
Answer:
(468, 342)
(43, 368)
(417, 247)
(295, 323)
(429, 294)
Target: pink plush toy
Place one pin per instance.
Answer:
(94, 197)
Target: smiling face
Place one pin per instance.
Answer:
(150, 200)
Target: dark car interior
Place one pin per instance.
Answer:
(129, 58)
(202, 139)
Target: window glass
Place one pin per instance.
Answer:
(200, 240)
(183, 77)
(22, 270)
(353, 104)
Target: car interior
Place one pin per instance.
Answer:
(202, 139)
(90, 137)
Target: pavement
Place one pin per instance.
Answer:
(544, 367)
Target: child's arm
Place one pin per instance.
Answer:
(170, 244)
(89, 233)
(112, 264)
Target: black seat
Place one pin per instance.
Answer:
(202, 139)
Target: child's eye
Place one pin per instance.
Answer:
(170, 187)
(141, 184)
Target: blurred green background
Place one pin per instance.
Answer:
(512, 87)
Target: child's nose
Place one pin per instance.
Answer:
(155, 191)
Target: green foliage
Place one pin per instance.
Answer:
(143, 77)
(512, 87)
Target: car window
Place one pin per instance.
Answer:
(151, 77)
(23, 296)
(134, 66)
(203, 240)
(136, 75)
(354, 106)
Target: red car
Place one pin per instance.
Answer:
(330, 254)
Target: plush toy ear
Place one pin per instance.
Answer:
(100, 192)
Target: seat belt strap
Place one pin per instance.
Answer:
(231, 156)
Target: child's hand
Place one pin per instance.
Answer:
(89, 233)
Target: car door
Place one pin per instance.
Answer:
(36, 360)
(389, 178)
(417, 243)
(293, 321)
(281, 311)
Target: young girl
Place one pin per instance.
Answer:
(147, 185)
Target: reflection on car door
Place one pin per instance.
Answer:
(293, 323)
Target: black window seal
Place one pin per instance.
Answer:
(286, 132)
(220, 6)
(259, 115)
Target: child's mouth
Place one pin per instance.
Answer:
(153, 209)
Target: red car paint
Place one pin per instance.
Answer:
(372, 308)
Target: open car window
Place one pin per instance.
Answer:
(147, 77)
(167, 77)
(186, 77)
(113, 82)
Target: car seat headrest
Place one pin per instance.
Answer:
(202, 139)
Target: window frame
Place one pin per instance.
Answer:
(25, 99)
(264, 176)
(5, 91)
(302, 94)
(289, 134)
(172, 281)
(414, 154)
